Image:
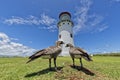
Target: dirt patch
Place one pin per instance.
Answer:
(77, 73)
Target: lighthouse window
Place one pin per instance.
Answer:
(68, 23)
(63, 23)
(59, 36)
(71, 35)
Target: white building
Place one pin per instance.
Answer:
(65, 27)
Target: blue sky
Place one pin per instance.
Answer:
(30, 25)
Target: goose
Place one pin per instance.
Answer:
(76, 52)
(48, 53)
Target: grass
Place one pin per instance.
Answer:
(102, 68)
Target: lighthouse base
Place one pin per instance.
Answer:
(64, 54)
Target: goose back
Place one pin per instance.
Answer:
(52, 52)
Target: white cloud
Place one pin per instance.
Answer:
(48, 22)
(14, 39)
(4, 38)
(102, 28)
(10, 48)
(116, 0)
(85, 20)
(81, 15)
(95, 19)
(45, 21)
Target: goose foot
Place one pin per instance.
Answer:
(56, 69)
(74, 66)
(50, 69)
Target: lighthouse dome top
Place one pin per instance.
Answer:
(65, 16)
(64, 13)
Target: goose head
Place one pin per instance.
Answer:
(59, 43)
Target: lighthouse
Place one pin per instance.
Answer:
(65, 28)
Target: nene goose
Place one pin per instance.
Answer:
(76, 52)
(48, 53)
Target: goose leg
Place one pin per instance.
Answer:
(55, 63)
(81, 62)
(73, 62)
(50, 64)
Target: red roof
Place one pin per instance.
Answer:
(65, 13)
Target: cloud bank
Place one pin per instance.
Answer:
(10, 48)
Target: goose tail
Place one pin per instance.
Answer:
(35, 56)
(87, 57)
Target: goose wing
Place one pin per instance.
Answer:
(81, 50)
(48, 51)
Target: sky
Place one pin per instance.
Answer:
(30, 25)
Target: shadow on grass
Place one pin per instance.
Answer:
(83, 69)
(44, 71)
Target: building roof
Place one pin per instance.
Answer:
(65, 13)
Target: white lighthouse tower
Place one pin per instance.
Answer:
(65, 27)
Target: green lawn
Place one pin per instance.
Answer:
(102, 68)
